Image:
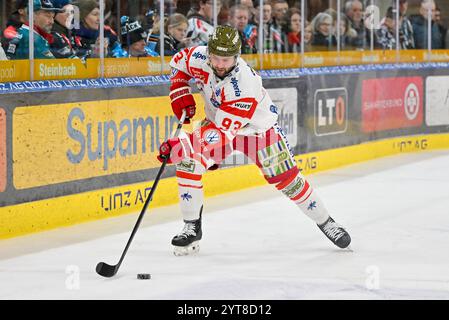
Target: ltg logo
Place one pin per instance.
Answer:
(331, 111)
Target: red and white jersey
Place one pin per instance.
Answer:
(199, 31)
(237, 104)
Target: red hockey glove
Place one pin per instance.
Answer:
(171, 149)
(180, 95)
(181, 99)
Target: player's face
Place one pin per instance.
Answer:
(221, 65)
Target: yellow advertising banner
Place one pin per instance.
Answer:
(66, 142)
(131, 67)
(2, 150)
(14, 70)
(436, 55)
(62, 69)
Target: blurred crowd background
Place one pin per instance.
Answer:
(79, 29)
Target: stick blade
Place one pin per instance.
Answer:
(106, 270)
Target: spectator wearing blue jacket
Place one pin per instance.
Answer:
(420, 25)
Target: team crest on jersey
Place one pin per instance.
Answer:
(211, 136)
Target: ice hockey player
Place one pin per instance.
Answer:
(240, 116)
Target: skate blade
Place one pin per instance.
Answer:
(192, 248)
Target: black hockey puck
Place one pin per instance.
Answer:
(143, 276)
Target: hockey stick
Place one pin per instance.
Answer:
(107, 270)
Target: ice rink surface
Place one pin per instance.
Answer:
(258, 245)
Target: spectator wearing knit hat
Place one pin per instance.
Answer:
(88, 34)
(133, 38)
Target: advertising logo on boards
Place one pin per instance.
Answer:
(437, 100)
(392, 103)
(330, 111)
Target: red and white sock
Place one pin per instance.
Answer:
(298, 189)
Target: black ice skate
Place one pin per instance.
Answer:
(339, 236)
(187, 242)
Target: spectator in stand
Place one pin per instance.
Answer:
(223, 13)
(63, 43)
(347, 34)
(152, 25)
(133, 38)
(385, 37)
(15, 21)
(18, 47)
(268, 39)
(175, 35)
(278, 24)
(443, 29)
(293, 31)
(201, 22)
(88, 34)
(323, 38)
(354, 11)
(279, 9)
(249, 4)
(238, 19)
(308, 36)
(420, 27)
(406, 37)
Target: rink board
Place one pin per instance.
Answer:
(79, 150)
(67, 210)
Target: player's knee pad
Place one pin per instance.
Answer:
(275, 159)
